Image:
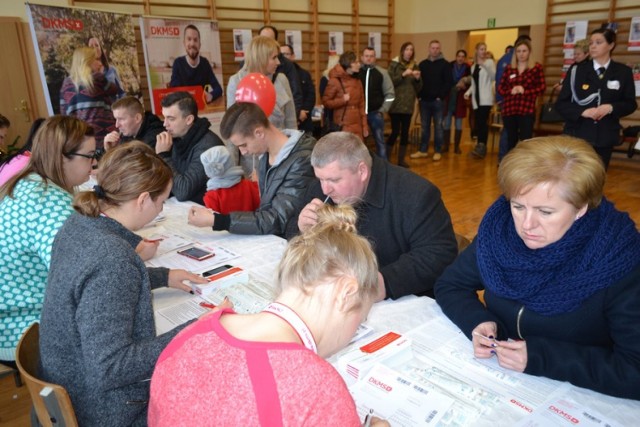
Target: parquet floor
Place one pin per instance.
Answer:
(469, 186)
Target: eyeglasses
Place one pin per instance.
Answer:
(92, 156)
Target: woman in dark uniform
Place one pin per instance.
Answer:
(596, 94)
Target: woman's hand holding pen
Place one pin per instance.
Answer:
(200, 217)
(484, 340)
(226, 303)
(147, 249)
(511, 354)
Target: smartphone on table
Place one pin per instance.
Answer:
(198, 254)
(216, 270)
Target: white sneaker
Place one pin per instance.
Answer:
(418, 155)
(437, 157)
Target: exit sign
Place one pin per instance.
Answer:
(491, 23)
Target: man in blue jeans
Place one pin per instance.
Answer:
(378, 96)
(437, 82)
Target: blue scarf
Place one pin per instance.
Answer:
(597, 251)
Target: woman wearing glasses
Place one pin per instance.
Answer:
(97, 334)
(33, 206)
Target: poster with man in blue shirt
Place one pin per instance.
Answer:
(193, 69)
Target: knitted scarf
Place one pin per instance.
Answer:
(597, 251)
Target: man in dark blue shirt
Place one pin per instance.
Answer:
(193, 69)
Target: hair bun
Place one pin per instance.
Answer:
(339, 217)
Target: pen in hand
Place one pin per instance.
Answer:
(485, 337)
(207, 305)
(153, 240)
(367, 418)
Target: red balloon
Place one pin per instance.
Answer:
(257, 89)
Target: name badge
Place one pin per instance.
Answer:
(613, 85)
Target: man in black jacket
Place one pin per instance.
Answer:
(308, 90)
(132, 123)
(399, 212)
(187, 136)
(437, 81)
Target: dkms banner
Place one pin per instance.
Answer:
(58, 31)
(184, 55)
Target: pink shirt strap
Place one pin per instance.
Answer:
(264, 388)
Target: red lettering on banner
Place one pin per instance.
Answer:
(165, 31)
(521, 405)
(564, 415)
(62, 23)
(380, 384)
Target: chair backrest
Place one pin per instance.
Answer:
(495, 117)
(462, 242)
(51, 401)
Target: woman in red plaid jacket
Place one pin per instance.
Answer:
(520, 86)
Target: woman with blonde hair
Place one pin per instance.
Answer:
(520, 86)
(97, 333)
(87, 94)
(483, 74)
(332, 61)
(405, 75)
(34, 204)
(262, 57)
(268, 368)
(560, 270)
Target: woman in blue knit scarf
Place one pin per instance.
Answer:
(560, 267)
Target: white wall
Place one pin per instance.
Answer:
(429, 16)
(412, 16)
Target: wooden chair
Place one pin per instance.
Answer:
(51, 401)
(415, 128)
(495, 124)
(8, 370)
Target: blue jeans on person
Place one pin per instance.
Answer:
(446, 123)
(376, 125)
(428, 110)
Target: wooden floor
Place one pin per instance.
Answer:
(15, 403)
(469, 186)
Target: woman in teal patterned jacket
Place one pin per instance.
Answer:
(33, 206)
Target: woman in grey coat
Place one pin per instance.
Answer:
(97, 333)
